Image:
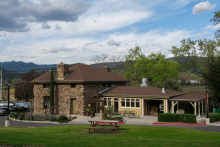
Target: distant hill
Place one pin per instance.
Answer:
(13, 69)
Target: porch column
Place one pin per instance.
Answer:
(172, 107)
(142, 101)
(167, 108)
(164, 106)
(101, 107)
(199, 108)
(202, 107)
(177, 107)
(195, 108)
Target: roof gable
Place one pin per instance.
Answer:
(81, 72)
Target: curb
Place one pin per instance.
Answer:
(179, 124)
(36, 121)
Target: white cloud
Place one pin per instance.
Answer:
(210, 27)
(71, 56)
(200, 34)
(112, 42)
(14, 42)
(56, 50)
(202, 7)
(121, 50)
(24, 56)
(180, 3)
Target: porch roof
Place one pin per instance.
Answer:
(196, 96)
(134, 91)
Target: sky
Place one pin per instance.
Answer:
(75, 31)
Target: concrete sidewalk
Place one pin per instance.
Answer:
(143, 120)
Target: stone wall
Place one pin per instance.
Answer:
(63, 94)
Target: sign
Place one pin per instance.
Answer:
(12, 94)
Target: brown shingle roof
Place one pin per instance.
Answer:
(45, 77)
(192, 96)
(84, 73)
(140, 91)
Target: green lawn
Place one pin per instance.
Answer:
(127, 136)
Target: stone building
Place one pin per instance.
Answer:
(74, 87)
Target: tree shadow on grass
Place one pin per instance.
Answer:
(103, 131)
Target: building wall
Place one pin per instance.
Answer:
(63, 94)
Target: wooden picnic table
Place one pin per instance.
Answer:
(94, 124)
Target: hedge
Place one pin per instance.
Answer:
(214, 117)
(173, 117)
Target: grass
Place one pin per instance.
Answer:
(129, 135)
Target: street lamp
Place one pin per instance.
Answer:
(7, 120)
(207, 109)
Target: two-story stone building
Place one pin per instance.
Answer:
(74, 87)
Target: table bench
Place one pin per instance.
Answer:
(94, 123)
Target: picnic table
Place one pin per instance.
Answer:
(95, 123)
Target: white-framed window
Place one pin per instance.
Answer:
(122, 102)
(107, 102)
(130, 103)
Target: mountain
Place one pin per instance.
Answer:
(13, 69)
(22, 66)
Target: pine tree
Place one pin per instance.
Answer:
(52, 92)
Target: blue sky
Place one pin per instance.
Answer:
(51, 31)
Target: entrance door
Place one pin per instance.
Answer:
(74, 106)
(116, 106)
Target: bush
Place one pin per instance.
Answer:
(37, 118)
(53, 119)
(214, 117)
(45, 117)
(173, 117)
(14, 115)
(21, 117)
(62, 118)
(28, 117)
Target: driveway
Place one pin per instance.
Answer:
(27, 124)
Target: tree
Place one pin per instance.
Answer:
(188, 52)
(52, 92)
(216, 19)
(105, 59)
(155, 68)
(24, 88)
(212, 78)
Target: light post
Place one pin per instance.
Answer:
(7, 120)
(207, 109)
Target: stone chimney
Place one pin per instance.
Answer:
(62, 71)
(106, 68)
(144, 82)
(163, 89)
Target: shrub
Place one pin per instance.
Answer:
(62, 118)
(37, 118)
(14, 115)
(21, 117)
(28, 117)
(45, 117)
(173, 117)
(214, 117)
(53, 119)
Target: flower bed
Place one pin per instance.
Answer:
(53, 118)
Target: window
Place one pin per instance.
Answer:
(109, 85)
(46, 102)
(137, 102)
(127, 102)
(123, 102)
(104, 84)
(72, 85)
(115, 99)
(105, 101)
(132, 103)
(46, 85)
(109, 101)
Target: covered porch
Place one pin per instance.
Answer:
(193, 102)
